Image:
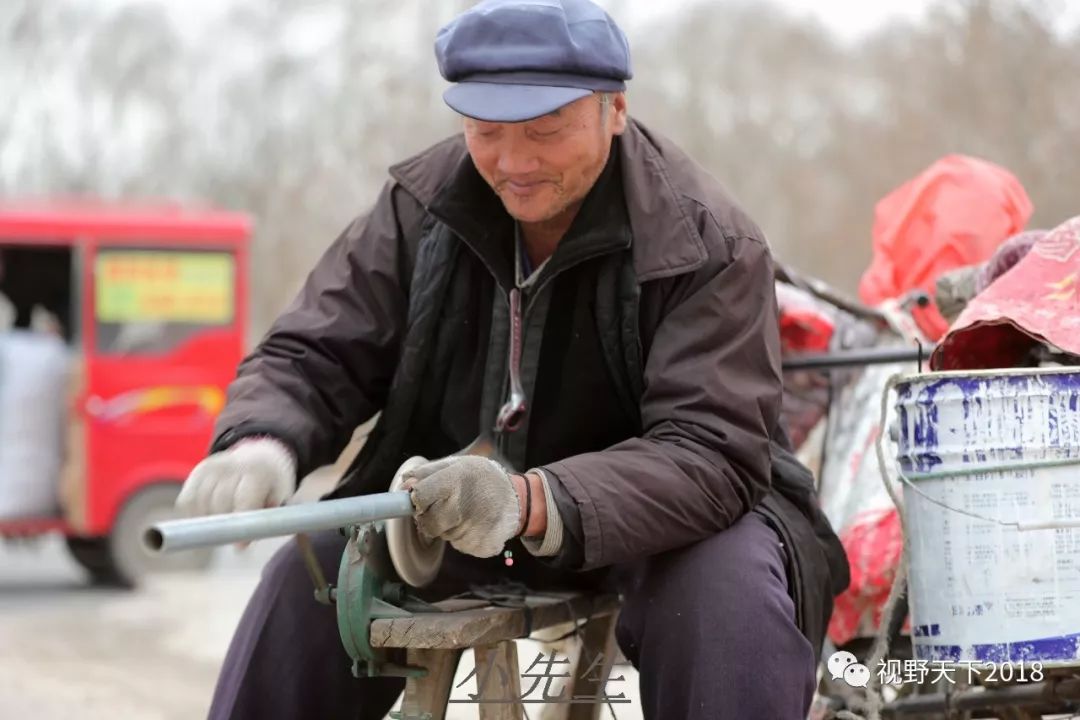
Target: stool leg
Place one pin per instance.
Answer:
(595, 658)
(429, 694)
(498, 681)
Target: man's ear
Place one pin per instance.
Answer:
(618, 114)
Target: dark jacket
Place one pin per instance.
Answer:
(683, 311)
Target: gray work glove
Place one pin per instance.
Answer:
(253, 474)
(467, 500)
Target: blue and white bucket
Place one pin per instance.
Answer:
(989, 455)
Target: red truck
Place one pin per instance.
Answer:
(151, 303)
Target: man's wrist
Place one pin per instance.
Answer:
(535, 525)
(549, 541)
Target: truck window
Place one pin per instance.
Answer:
(151, 301)
(37, 278)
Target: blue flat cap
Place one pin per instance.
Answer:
(515, 60)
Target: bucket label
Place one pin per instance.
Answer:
(982, 590)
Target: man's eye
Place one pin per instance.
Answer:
(484, 131)
(546, 133)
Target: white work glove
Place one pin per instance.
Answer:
(253, 474)
(467, 500)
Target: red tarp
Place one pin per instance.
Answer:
(1036, 302)
(955, 213)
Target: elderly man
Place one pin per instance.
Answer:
(562, 245)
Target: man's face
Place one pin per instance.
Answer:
(543, 167)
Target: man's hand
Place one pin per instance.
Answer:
(251, 475)
(469, 501)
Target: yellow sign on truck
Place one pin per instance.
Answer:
(179, 287)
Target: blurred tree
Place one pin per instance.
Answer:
(992, 78)
(754, 95)
(810, 133)
(293, 109)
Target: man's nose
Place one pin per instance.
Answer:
(517, 157)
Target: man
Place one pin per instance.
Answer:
(567, 279)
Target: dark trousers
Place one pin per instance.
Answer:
(710, 627)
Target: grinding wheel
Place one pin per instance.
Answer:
(416, 561)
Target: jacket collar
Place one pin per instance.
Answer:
(665, 242)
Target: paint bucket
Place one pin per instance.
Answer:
(1005, 446)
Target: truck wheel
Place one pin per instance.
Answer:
(92, 553)
(130, 556)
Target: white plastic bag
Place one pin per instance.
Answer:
(33, 410)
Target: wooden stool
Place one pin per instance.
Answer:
(436, 640)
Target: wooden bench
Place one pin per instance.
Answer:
(436, 640)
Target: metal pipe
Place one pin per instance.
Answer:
(831, 295)
(851, 358)
(187, 534)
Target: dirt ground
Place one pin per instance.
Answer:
(67, 650)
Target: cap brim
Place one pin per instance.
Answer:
(496, 102)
